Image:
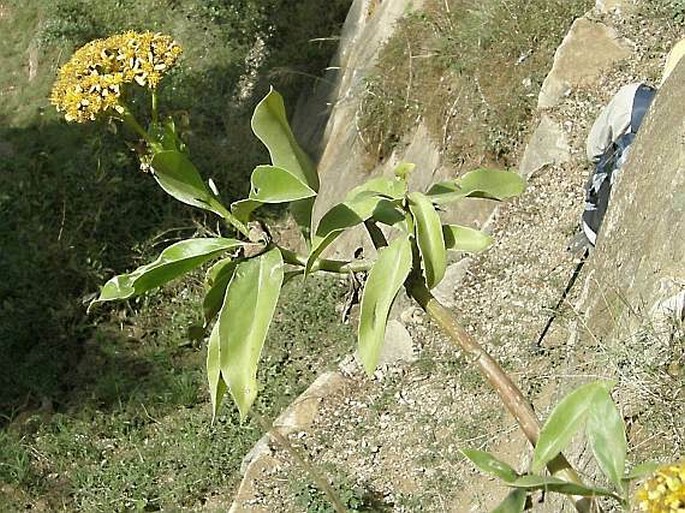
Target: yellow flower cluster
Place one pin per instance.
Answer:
(90, 82)
(665, 491)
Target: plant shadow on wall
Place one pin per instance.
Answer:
(74, 207)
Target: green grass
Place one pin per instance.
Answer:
(356, 497)
(109, 412)
(487, 59)
(137, 432)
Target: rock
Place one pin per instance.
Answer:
(297, 417)
(589, 49)
(412, 315)
(548, 146)
(301, 413)
(245, 499)
(260, 449)
(638, 251)
(606, 6)
(397, 347)
(454, 275)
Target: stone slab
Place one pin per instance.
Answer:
(548, 146)
(589, 49)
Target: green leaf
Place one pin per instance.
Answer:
(244, 321)
(480, 183)
(277, 185)
(242, 209)
(174, 261)
(165, 137)
(384, 282)
(340, 218)
(462, 238)
(270, 125)
(429, 237)
(217, 385)
(607, 435)
(491, 465)
(515, 502)
(554, 484)
(217, 280)
(565, 420)
(642, 470)
(179, 178)
(270, 184)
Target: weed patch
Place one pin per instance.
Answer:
(471, 71)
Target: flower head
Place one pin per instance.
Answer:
(90, 82)
(664, 492)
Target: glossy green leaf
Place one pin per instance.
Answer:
(607, 435)
(370, 199)
(389, 213)
(165, 137)
(174, 261)
(270, 125)
(244, 321)
(332, 224)
(242, 209)
(429, 237)
(272, 184)
(565, 420)
(554, 484)
(515, 502)
(217, 385)
(480, 183)
(462, 238)
(642, 470)
(340, 218)
(384, 282)
(217, 281)
(177, 175)
(490, 465)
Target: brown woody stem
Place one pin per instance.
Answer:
(506, 389)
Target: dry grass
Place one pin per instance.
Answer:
(470, 70)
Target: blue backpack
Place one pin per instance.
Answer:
(598, 187)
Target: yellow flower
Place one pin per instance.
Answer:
(90, 82)
(664, 492)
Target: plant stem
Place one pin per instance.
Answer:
(324, 264)
(512, 397)
(509, 393)
(231, 220)
(154, 107)
(302, 460)
(127, 117)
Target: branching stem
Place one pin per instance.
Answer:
(326, 265)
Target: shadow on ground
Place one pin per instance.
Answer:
(74, 210)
